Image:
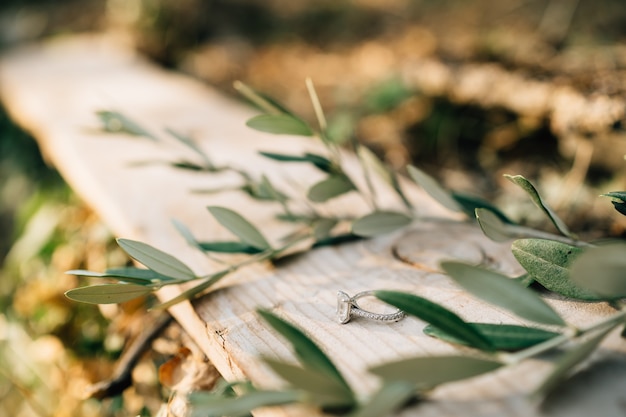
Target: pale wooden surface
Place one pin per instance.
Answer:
(54, 90)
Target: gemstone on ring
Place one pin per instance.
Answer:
(344, 307)
(348, 306)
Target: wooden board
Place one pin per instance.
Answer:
(54, 90)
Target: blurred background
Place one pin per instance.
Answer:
(466, 90)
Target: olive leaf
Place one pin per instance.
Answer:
(379, 223)
(619, 200)
(432, 187)
(108, 293)
(429, 371)
(186, 234)
(193, 291)
(436, 315)
(372, 162)
(240, 227)
(308, 353)
(191, 144)
(133, 275)
(508, 337)
(116, 122)
(324, 390)
(337, 240)
(229, 247)
(502, 291)
(322, 228)
(280, 124)
(548, 262)
(469, 204)
(157, 260)
(536, 198)
(203, 404)
(331, 187)
(319, 161)
(602, 270)
(391, 396)
(494, 227)
(567, 363)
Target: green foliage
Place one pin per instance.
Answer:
(602, 271)
(380, 223)
(508, 337)
(329, 188)
(318, 161)
(548, 262)
(108, 293)
(530, 189)
(115, 122)
(280, 124)
(619, 200)
(212, 405)
(391, 396)
(430, 371)
(240, 227)
(309, 354)
(156, 260)
(561, 264)
(432, 187)
(499, 290)
(436, 315)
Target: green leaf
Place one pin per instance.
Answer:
(337, 240)
(391, 396)
(502, 336)
(186, 234)
(432, 187)
(240, 227)
(309, 354)
(116, 122)
(536, 198)
(156, 259)
(619, 195)
(436, 315)
(318, 161)
(280, 124)
(619, 200)
(430, 371)
(548, 262)
(386, 95)
(211, 405)
(135, 275)
(566, 365)
(469, 204)
(325, 390)
(322, 228)
(331, 187)
(493, 227)
(602, 270)
(229, 247)
(193, 291)
(502, 291)
(619, 206)
(108, 293)
(379, 223)
(191, 144)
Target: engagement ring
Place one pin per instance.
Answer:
(347, 307)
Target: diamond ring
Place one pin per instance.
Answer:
(347, 307)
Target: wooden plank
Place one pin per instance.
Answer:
(53, 90)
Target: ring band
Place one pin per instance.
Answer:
(347, 307)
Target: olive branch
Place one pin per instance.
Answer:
(559, 263)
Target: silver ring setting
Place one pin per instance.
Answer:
(348, 306)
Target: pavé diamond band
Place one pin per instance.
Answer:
(347, 307)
